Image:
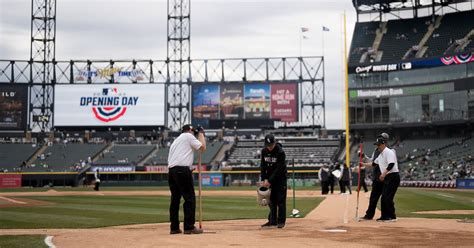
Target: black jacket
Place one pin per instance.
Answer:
(376, 170)
(345, 174)
(273, 165)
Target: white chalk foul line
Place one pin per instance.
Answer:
(49, 242)
(11, 200)
(334, 230)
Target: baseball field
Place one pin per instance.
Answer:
(138, 217)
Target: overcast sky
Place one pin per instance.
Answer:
(136, 29)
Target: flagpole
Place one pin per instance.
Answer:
(346, 93)
(301, 40)
(322, 38)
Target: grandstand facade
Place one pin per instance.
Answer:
(412, 72)
(414, 79)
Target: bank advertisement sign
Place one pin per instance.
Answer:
(402, 91)
(109, 105)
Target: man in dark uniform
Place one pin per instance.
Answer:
(377, 185)
(273, 175)
(363, 170)
(97, 180)
(323, 176)
(345, 180)
(331, 179)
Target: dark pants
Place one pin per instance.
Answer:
(343, 185)
(180, 180)
(325, 187)
(377, 188)
(390, 186)
(363, 184)
(331, 185)
(277, 204)
(96, 186)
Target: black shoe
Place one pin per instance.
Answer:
(383, 219)
(366, 218)
(268, 225)
(176, 231)
(194, 231)
(281, 225)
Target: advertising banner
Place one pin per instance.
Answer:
(206, 101)
(284, 102)
(465, 183)
(13, 106)
(237, 102)
(257, 101)
(10, 180)
(157, 168)
(231, 101)
(109, 105)
(113, 168)
(414, 64)
(212, 180)
(402, 91)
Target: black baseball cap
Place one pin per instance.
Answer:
(380, 140)
(186, 128)
(269, 139)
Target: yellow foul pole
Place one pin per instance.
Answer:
(346, 92)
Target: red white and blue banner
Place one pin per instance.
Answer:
(458, 59)
(109, 105)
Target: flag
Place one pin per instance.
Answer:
(325, 29)
(303, 29)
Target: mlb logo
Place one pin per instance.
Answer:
(105, 91)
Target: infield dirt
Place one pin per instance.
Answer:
(310, 231)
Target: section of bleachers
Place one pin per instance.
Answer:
(364, 35)
(64, 157)
(454, 26)
(447, 163)
(304, 151)
(124, 154)
(212, 148)
(401, 36)
(12, 156)
(405, 34)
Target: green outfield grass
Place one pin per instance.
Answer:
(410, 200)
(138, 188)
(100, 211)
(22, 241)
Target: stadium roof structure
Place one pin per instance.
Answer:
(382, 7)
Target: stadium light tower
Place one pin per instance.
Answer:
(177, 88)
(42, 60)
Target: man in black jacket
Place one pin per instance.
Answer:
(273, 175)
(323, 176)
(345, 181)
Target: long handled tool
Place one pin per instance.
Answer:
(295, 213)
(200, 189)
(358, 180)
(200, 193)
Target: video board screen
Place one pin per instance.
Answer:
(244, 101)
